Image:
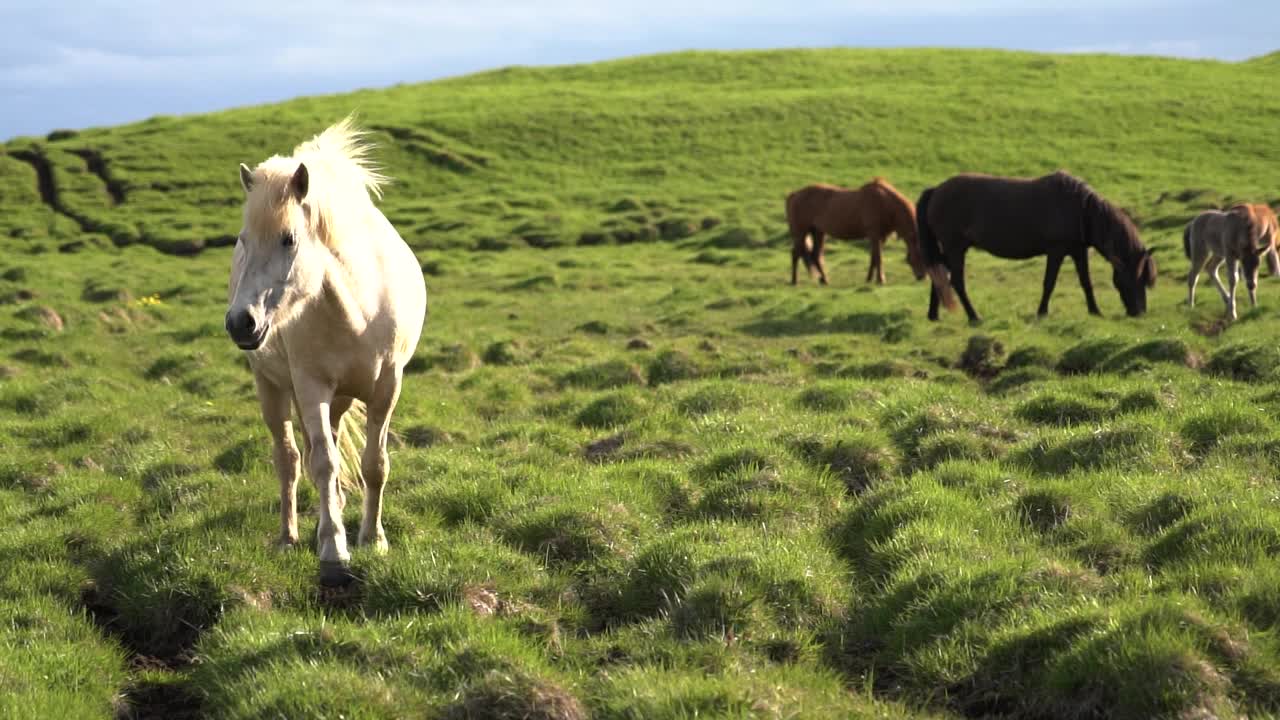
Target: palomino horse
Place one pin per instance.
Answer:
(1232, 237)
(872, 211)
(327, 302)
(1056, 215)
(1264, 224)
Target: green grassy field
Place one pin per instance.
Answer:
(639, 475)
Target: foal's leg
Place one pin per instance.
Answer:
(1233, 276)
(1193, 275)
(314, 403)
(375, 464)
(818, 255)
(1050, 280)
(956, 261)
(933, 302)
(1215, 264)
(276, 412)
(1081, 260)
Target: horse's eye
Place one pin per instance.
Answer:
(287, 239)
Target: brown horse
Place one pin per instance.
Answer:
(873, 211)
(1264, 222)
(1056, 215)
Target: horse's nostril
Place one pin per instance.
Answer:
(241, 325)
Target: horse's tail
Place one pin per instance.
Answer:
(935, 260)
(350, 440)
(1186, 240)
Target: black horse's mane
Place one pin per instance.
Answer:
(1114, 232)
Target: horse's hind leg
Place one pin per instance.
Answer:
(339, 408)
(1215, 264)
(1233, 277)
(1081, 260)
(276, 413)
(800, 250)
(819, 255)
(375, 464)
(1193, 276)
(1051, 269)
(956, 262)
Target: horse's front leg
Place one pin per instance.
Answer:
(1051, 269)
(1081, 260)
(276, 413)
(314, 402)
(933, 302)
(1249, 268)
(375, 464)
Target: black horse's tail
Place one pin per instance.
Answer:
(935, 258)
(1186, 240)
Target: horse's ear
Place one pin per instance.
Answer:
(246, 177)
(300, 181)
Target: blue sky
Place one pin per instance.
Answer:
(80, 64)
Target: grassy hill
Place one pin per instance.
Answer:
(638, 475)
(544, 156)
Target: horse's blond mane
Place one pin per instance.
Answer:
(341, 179)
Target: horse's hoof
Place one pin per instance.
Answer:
(285, 544)
(335, 573)
(378, 544)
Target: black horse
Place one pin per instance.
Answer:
(1056, 215)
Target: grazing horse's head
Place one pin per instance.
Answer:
(1132, 277)
(274, 265)
(1133, 269)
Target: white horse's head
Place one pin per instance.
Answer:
(298, 211)
(273, 267)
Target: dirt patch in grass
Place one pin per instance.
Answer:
(513, 695)
(159, 700)
(617, 448)
(983, 356)
(673, 366)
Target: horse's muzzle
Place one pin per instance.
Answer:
(245, 332)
